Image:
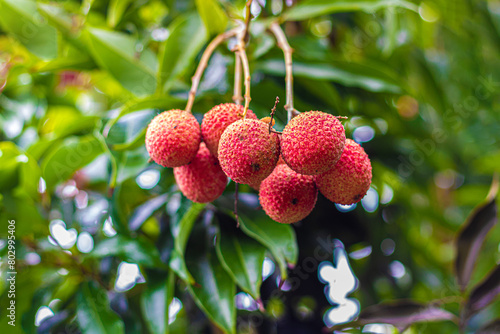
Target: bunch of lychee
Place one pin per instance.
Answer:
(288, 168)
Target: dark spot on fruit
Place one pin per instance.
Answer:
(255, 167)
(241, 137)
(175, 127)
(357, 197)
(295, 201)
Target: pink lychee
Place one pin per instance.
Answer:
(173, 138)
(217, 120)
(350, 179)
(287, 196)
(312, 142)
(202, 180)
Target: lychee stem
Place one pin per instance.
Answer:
(287, 52)
(272, 114)
(204, 62)
(237, 98)
(246, 70)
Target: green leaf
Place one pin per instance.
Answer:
(471, 238)
(215, 290)
(278, 238)
(490, 328)
(94, 313)
(116, 9)
(242, 257)
(72, 154)
(177, 53)
(146, 210)
(116, 52)
(138, 250)
(22, 20)
(129, 131)
(181, 229)
(154, 305)
(213, 16)
(347, 74)
(312, 8)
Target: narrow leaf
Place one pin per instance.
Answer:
(177, 53)
(312, 8)
(153, 305)
(94, 313)
(214, 18)
(116, 9)
(347, 74)
(181, 231)
(403, 313)
(485, 292)
(242, 257)
(22, 20)
(116, 52)
(144, 211)
(278, 238)
(136, 250)
(471, 238)
(215, 290)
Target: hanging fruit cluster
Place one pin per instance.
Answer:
(288, 168)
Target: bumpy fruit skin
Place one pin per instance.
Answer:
(248, 153)
(202, 180)
(173, 138)
(312, 142)
(217, 120)
(350, 179)
(287, 196)
(256, 186)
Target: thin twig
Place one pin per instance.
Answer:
(204, 62)
(272, 113)
(246, 71)
(237, 98)
(287, 52)
(248, 17)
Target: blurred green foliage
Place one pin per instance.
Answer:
(80, 81)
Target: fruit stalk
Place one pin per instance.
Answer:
(237, 98)
(204, 62)
(287, 52)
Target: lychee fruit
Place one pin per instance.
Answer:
(173, 138)
(312, 142)
(202, 180)
(287, 196)
(350, 179)
(256, 186)
(248, 153)
(217, 120)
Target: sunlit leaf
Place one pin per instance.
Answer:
(214, 18)
(312, 8)
(22, 20)
(187, 37)
(94, 313)
(117, 53)
(116, 9)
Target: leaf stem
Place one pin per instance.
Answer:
(287, 52)
(204, 62)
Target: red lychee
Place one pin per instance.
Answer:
(287, 196)
(350, 179)
(173, 138)
(217, 120)
(256, 186)
(202, 180)
(248, 152)
(312, 142)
